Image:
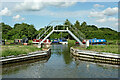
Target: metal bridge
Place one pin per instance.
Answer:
(72, 30)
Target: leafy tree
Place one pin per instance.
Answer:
(24, 36)
(67, 22)
(26, 30)
(31, 32)
(77, 24)
(5, 30)
(84, 24)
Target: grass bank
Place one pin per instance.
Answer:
(8, 42)
(101, 48)
(71, 42)
(111, 48)
(8, 50)
(113, 42)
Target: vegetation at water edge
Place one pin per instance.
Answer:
(15, 50)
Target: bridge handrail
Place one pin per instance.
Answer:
(45, 32)
(48, 25)
(77, 33)
(40, 33)
(80, 32)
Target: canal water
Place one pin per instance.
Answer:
(59, 65)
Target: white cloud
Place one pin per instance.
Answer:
(106, 12)
(110, 11)
(61, 4)
(98, 5)
(101, 20)
(110, 19)
(96, 14)
(64, 14)
(5, 12)
(34, 5)
(106, 17)
(29, 6)
(18, 18)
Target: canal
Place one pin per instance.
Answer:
(59, 65)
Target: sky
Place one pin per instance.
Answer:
(40, 13)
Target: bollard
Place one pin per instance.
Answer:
(39, 46)
(87, 43)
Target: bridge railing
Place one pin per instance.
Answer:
(70, 27)
(77, 32)
(46, 32)
(73, 29)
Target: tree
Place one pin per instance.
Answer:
(24, 36)
(77, 24)
(5, 30)
(84, 24)
(31, 32)
(26, 30)
(67, 22)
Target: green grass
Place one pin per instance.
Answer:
(101, 48)
(30, 41)
(114, 42)
(71, 42)
(12, 41)
(9, 41)
(8, 50)
(112, 48)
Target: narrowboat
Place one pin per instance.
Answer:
(36, 41)
(96, 41)
(63, 41)
(54, 40)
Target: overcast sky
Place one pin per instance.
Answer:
(39, 13)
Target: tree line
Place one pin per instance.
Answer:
(25, 30)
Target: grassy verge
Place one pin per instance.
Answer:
(8, 50)
(12, 41)
(113, 42)
(71, 42)
(101, 48)
(112, 48)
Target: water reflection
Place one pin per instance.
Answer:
(16, 67)
(64, 51)
(103, 65)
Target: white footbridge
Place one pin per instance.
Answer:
(72, 30)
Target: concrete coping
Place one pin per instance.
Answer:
(97, 53)
(22, 55)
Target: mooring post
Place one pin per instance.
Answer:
(67, 28)
(40, 46)
(87, 43)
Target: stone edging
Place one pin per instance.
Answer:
(24, 57)
(93, 56)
